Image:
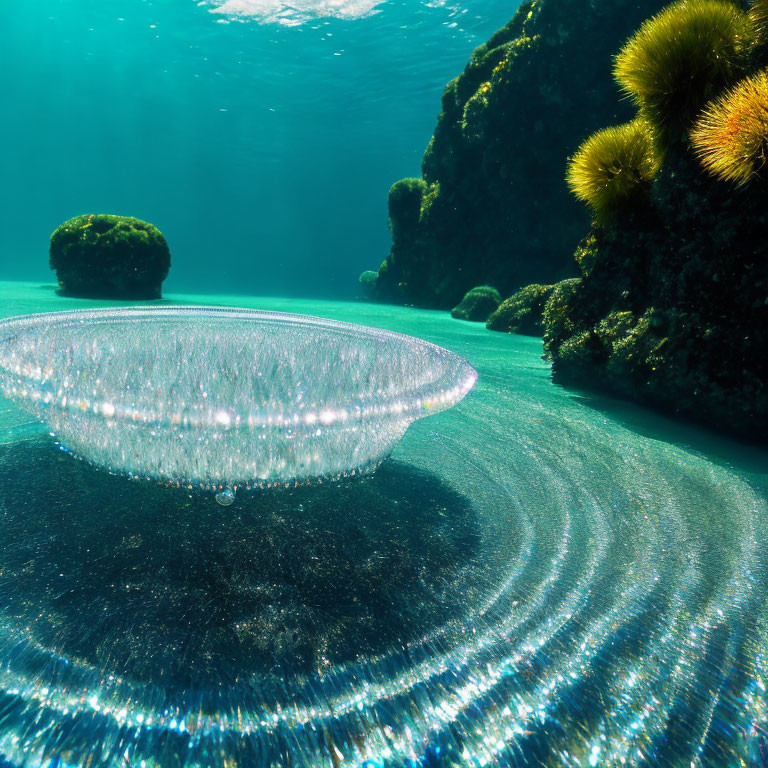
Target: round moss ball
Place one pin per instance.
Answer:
(478, 304)
(106, 256)
(367, 281)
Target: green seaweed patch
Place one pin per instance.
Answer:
(558, 324)
(522, 312)
(586, 254)
(497, 71)
(475, 106)
(478, 304)
(431, 194)
(638, 346)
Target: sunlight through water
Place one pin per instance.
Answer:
(299, 11)
(290, 14)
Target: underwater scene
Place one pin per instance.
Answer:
(384, 384)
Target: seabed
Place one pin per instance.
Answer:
(536, 577)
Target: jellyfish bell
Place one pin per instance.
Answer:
(221, 399)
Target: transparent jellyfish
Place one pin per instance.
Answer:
(222, 399)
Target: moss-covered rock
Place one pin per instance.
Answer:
(478, 304)
(522, 312)
(492, 207)
(405, 198)
(106, 256)
(672, 307)
(367, 283)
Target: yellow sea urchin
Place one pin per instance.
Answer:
(681, 58)
(613, 166)
(731, 137)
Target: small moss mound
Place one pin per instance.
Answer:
(614, 167)
(367, 282)
(731, 137)
(522, 312)
(559, 325)
(405, 198)
(106, 256)
(478, 304)
(681, 58)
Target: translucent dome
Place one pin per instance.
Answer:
(216, 398)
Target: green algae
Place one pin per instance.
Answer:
(102, 255)
(522, 312)
(478, 304)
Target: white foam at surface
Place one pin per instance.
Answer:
(277, 11)
(224, 397)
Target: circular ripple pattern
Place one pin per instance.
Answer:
(224, 397)
(594, 595)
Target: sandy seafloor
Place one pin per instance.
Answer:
(602, 600)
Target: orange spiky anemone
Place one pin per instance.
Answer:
(731, 136)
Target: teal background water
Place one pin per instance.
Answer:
(263, 152)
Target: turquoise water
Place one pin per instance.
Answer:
(536, 577)
(264, 152)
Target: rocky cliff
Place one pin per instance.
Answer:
(492, 206)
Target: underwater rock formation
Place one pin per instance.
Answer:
(106, 256)
(491, 207)
(672, 304)
(522, 312)
(478, 304)
(672, 307)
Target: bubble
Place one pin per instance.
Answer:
(207, 398)
(226, 497)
